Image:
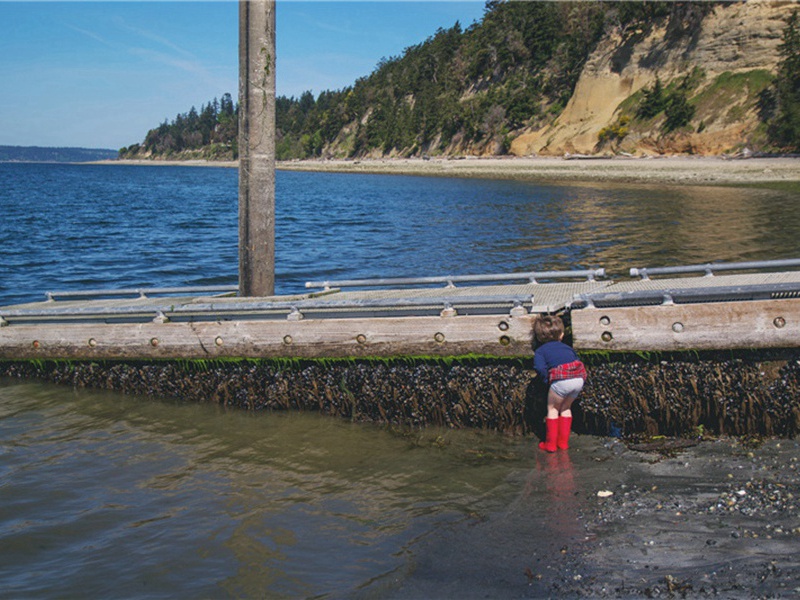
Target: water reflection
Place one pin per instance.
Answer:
(623, 226)
(561, 504)
(210, 502)
(540, 227)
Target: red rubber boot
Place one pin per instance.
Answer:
(564, 427)
(552, 435)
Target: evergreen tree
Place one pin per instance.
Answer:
(785, 128)
(653, 101)
(677, 110)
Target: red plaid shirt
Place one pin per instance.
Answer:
(570, 370)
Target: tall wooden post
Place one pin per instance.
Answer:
(256, 147)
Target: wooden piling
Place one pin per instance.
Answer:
(256, 147)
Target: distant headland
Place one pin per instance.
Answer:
(57, 155)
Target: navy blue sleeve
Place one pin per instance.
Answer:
(539, 364)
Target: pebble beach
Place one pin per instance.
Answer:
(668, 170)
(682, 170)
(720, 519)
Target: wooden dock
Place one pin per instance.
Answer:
(702, 307)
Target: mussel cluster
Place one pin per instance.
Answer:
(625, 394)
(487, 395)
(724, 396)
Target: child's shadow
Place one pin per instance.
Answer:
(536, 407)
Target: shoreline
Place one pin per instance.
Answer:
(602, 520)
(129, 162)
(704, 170)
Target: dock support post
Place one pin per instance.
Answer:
(256, 147)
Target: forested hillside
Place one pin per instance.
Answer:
(211, 133)
(543, 77)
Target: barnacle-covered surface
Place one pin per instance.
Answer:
(471, 393)
(746, 393)
(738, 394)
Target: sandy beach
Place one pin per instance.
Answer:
(667, 170)
(230, 164)
(673, 170)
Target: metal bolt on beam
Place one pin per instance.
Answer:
(518, 310)
(448, 311)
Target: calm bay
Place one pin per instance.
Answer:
(105, 495)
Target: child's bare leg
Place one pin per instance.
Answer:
(565, 409)
(554, 402)
(558, 406)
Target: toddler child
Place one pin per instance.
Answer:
(558, 366)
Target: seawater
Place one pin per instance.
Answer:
(92, 226)
(104, 495)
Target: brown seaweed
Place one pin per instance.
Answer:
(675, 397)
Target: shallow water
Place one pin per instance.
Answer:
(195, 501)
(104, 495)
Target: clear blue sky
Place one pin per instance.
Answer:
(100, 74)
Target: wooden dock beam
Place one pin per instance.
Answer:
(677, 327)
(496, 335)
(256, 147)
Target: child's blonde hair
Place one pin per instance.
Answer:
(548, 328)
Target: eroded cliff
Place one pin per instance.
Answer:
(726, 56)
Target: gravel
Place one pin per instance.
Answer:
(718, 519)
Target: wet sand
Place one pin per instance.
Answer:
(719, 519)
(722, 518)
(669, 170)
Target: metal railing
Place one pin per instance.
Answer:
(212, 310)
(779, 291)
(708, 269)
(142, 292)
(451, 280)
